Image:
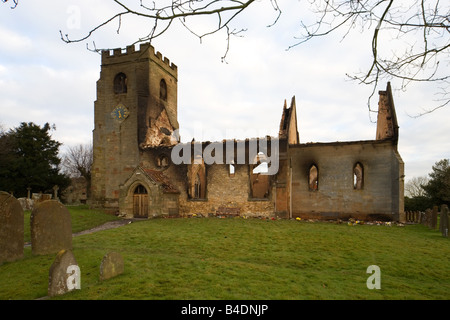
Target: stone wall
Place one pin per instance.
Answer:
(336, 196)
(228, 190)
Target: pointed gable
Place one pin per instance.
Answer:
(288, 123)
(159, 178)
(151, 177)
(387, 126)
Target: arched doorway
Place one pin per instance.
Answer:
(140, 202)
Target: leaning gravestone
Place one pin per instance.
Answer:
(11, 228)
(51, 229)
(111, 266)
(64, 274)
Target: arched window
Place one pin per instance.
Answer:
(140, 189)
(259, 178)
(313, 178)
(197, 187)
(163, 90)
(197, 179)
(261, 165)
(162, 161)
(120, 83)
(358, 176)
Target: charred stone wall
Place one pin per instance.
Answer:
(337, 195)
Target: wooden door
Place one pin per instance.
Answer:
(140, 202)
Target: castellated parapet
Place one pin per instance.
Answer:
(145, 51)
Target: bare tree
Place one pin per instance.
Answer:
(77, 162)
(413, 188)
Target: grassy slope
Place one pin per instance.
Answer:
(247, 259)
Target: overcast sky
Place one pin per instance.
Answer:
(43, 79)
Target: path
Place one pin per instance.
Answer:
(105, 226)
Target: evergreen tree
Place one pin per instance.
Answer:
(29, 158)
(438, 187)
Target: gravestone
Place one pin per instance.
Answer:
(111, 266)
(11, 228)
(51, 229)
(427, 218)
(444, 221)
(434, 214)
(64, 274)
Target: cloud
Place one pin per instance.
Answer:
(13, 42)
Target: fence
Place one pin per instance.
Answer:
(429, 218)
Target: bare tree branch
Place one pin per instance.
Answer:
(410, 42)
(163, 15)
(15, 2)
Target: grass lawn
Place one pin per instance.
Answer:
(243, 259)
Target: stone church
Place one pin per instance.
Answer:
(142, 170)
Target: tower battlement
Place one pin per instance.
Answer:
(145, 50)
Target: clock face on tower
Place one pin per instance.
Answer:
(120, 112)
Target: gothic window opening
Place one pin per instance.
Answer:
(261, 164)
(120, 83)
(197, 180)
(162, 161)
(313, 178)
(358, 176)
(259, 178)
(197, 187)
(163, 90)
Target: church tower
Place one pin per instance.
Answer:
(136, 109)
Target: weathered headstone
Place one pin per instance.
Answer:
(55, 192)
(427, 218)
(11, 228)
(64, 274)
(434, 214)
(443, 226)
(51, 228)
(111, 266)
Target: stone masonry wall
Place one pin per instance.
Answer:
(336, 197)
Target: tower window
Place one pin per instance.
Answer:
(120, 83)
(163, 90)
(358, 176)
(313, 178)
(162, 161)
